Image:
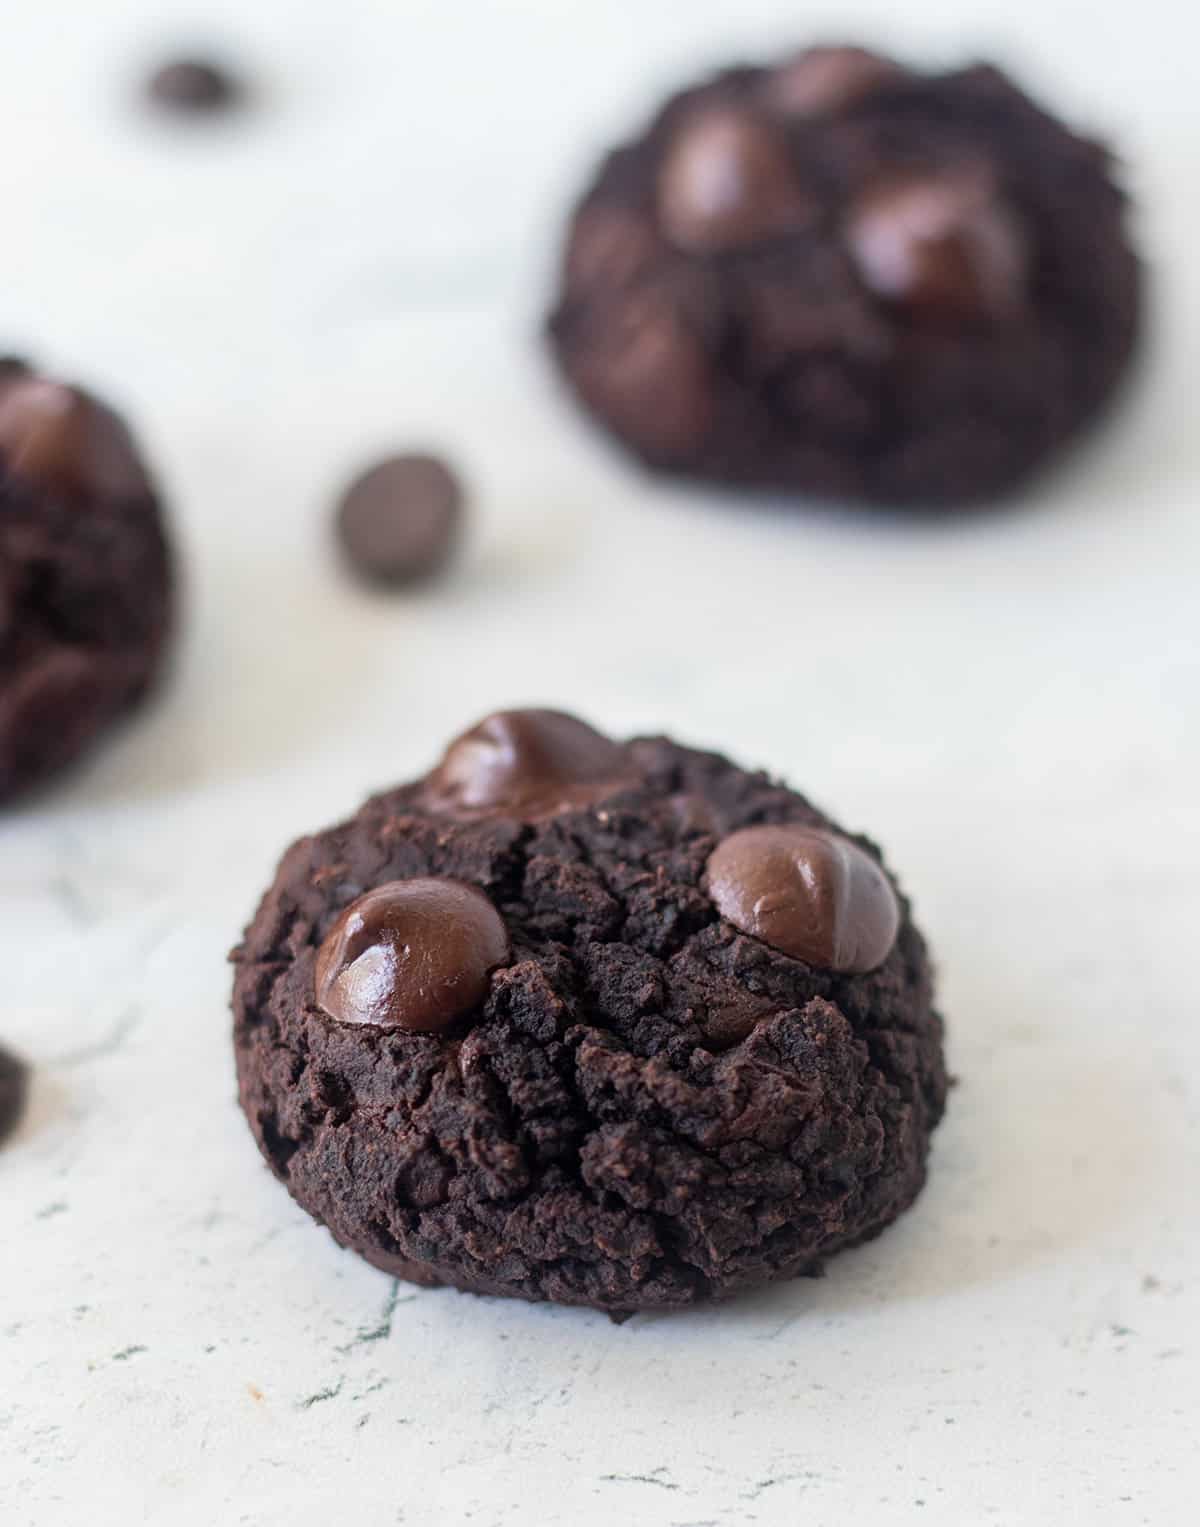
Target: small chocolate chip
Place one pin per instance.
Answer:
(61, 440)
(193, 85)
(727, 181)
(14, 1089)
(823, 81)
(528, 759)
(807, 893)
(398, 523)
(945, 246)
(412, 954)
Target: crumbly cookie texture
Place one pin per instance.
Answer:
(566, 1074)
(841, 277)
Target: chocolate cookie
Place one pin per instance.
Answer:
(85, 575)
(842, 277)
(619, 1025)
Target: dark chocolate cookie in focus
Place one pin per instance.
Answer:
(839, 276)
(613, 1024)
(399, 522)
(85, 575)
(14, 1087)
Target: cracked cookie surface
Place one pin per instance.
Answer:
(649, 1106)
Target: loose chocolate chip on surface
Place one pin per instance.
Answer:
(945, 246)
(193, 85)
(14, 1087)
(727, 181)
(398, 522)
(807, 893)
(527, 758)
(411, 954)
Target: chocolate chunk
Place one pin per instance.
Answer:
(398, 522)
(727, 181)
(648, 372)
(62, 440)
(193, 85)
(944, 246)
(610, 246)
(412, 954)
(806, 893)
(528, 759)
(14, 1088)
(826, 80)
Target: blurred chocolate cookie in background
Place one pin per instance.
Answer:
(842, 277)
(86, 587)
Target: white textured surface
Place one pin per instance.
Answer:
(1011, 705)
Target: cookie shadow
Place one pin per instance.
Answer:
(47, 1103)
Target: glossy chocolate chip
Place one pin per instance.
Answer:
(944, 246)
(412, 954)
(399, 522)
(61, 440)
(822, 81)
(528, 759)
(727, 181)
(14, 1088)
(808, 894)
(193, 86)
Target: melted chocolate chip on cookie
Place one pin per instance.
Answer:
(412, 954)
(807, 893)
(528, 760)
